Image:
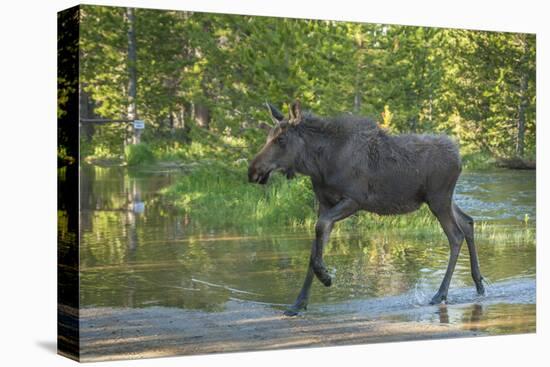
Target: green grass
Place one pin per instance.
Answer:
(138, 154)
(220, 195)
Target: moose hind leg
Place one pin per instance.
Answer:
(466, 224)
(444, 213)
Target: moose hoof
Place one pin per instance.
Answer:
(437, 299)
(322, 274)
(295, 309)
(324, 278)
(327, 282)
(480, 290)
(291, 312)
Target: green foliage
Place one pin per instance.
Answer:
(477, 161)
(483, 88)
(106, 142)
(67, 85)
(138, 154)
(464, 83)
(103, 68)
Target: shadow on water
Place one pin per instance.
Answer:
(137, 253)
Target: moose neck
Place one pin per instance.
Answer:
(312, 160)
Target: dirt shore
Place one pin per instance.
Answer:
(132, 333)
(108, 334)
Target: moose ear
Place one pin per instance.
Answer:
(274, 113)
(295, 113)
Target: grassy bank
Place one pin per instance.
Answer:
(220, 195)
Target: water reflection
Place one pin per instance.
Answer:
(499, 318)
(471, 315)
(137, 252)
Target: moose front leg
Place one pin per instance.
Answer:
(326, 215)
(303, 297)
(343, 209)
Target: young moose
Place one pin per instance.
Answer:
(354, 165)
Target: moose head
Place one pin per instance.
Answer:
(283, 146)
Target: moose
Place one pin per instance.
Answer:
(356, 165)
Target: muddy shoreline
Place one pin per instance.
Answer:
(108, 334)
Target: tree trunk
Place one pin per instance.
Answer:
(202, 115)
(86, 112)
(357, 98)
(132, 74)
(172, 120)
(177, 117)
(413, 123)
(359, 61)
(520, 139)
(430, 110)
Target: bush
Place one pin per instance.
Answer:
(138, 154)
(478, 161)
(221, 196)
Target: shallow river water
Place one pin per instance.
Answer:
(138, 253)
